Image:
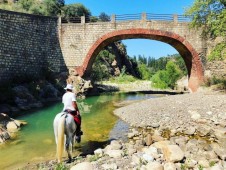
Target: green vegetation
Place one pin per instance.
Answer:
(75, 10)
(218, 82)
(163, 72)
(211, 16)
(167, 78)
(61, 166)
(218, 53)
(45, 7)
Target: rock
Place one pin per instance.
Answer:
(12, 127)
(133, 133)
(150, 150)
(217, 167)
(112, 166)
(157, 136)
(192, 146)
(194, 115)
(154, 166)
(204, 163)
(169, 166)
(98, 152)
(154, 125)
(115, 144)
(203, 130)
(136, 158)
(190, 163)
(190, 130)
(160, 145)
(220, 133)
(221, 152)
(147, 157)
(210, 155)
(114, 153)
(173, 153)
(83, 166)
(148, 140)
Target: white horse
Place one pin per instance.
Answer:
(64, 125)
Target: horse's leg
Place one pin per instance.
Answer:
(67, 146)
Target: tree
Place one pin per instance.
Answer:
(211, 15)
(167, 78)
(44, 7)
(53, 7)
(104, 17)
(75, 10)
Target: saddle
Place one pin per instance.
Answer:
(77, 118)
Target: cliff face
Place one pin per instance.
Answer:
(122, 59)
(112, 61)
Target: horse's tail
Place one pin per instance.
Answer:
(60, 139)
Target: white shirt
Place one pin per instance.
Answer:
(67, 100)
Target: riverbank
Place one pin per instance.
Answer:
(173, 132)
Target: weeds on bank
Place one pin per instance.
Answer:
(122, 79)
(61, 166)
(221, 83)
(93, 158)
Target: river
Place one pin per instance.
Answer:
(35, 142)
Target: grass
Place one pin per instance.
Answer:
(123, 79)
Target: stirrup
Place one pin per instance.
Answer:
(80, 133)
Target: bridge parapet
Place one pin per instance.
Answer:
(131, 17)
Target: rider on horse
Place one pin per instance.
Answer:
(70, 106)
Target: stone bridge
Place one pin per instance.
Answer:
(81, 42)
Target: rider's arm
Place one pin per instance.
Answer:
(74, 103)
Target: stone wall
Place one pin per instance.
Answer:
(215, 68)
(29, 46)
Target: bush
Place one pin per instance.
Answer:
(221, 83)
(123, 79)
(144, 72)
(167, 78)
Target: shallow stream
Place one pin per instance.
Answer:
(35, 141)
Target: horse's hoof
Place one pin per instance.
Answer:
(78, 139)
(69, 160)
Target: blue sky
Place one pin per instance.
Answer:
(139, 46)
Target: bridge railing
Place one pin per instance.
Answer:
(129, 17)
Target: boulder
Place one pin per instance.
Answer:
(154, 166)
(173, 153)
(83, 166)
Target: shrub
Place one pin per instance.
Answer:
(167, 78)
(123, 79)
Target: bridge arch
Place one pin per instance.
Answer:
(185, 49)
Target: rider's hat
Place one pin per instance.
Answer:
(69, 87)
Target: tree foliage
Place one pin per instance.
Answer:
(104, 17)
(167, 78)
(211, 16)
(75, 10)
(44, 7)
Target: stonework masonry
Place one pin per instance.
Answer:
(81, 42)
(29, 46)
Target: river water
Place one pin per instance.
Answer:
(35, 142)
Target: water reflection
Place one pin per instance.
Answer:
(35, 142)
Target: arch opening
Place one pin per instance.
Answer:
(188, 53)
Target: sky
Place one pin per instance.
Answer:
(137, 47)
